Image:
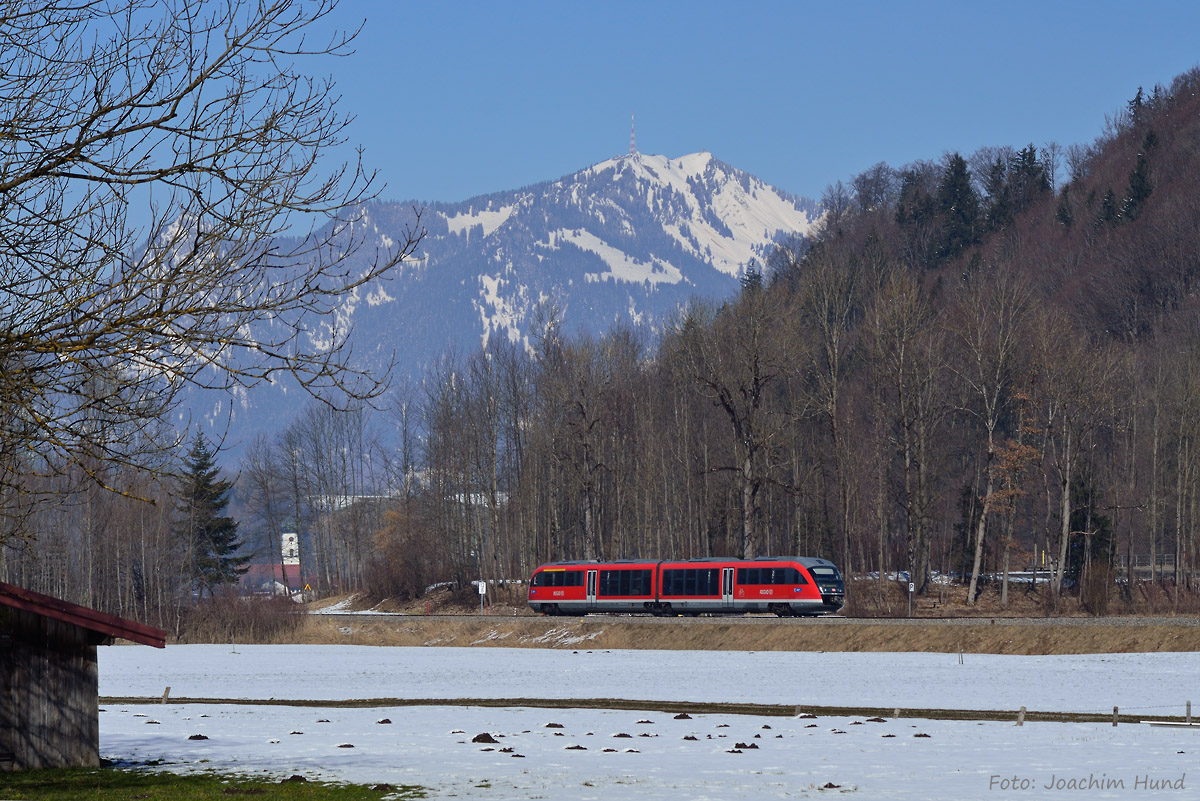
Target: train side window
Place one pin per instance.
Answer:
(709, 583)
(784, 575)
(798, 577)
(573, 578)
(639, 582)
(752, 576)
(674, 582)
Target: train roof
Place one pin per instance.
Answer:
(586, 562)
(807, 561)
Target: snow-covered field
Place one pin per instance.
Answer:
(796, 756)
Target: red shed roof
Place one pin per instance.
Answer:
(82, 616)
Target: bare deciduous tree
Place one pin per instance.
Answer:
(162, 196)
(907, 362)
(838, 201)
(735, 358)
(987, 324)
(875, 187)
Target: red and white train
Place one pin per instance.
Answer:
(786, 585)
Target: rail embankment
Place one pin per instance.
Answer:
(1046, 636)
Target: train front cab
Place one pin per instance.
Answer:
(789, 586)
(828, 581)
(559, 589)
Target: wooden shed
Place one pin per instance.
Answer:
(49, 690)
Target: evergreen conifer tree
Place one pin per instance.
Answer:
(1064, 213)
(212, 537)
(1140, 186)
(959, 206)
(1000, 212)
(1109, 213)
(752, 278)
(1137, 108)
(1028, 178)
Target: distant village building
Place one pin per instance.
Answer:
(291, 548)
(49, 681)
(278, 578)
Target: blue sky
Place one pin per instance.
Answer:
(455, 99)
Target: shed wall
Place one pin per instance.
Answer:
(49, 693)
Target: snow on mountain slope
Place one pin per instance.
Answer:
(628, 239)
(727, 213)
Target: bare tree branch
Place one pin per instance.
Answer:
(167, 219)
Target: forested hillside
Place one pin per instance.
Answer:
(983, 363)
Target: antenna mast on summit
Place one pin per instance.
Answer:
(632, 137)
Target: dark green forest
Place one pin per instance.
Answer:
(981, 364)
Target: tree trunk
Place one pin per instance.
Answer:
(1065, 512)
(981, 529)
(749, 508)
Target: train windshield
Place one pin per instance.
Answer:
(825, 573)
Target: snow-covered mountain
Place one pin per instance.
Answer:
(630, 238)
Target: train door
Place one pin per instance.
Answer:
(727, 587)
(591, 588)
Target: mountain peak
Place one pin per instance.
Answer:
(630, 239)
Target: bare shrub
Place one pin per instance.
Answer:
(406, 559)
(868, 598)
(227, 617)
(1161, 597)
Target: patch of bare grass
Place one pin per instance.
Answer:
(595, 633)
